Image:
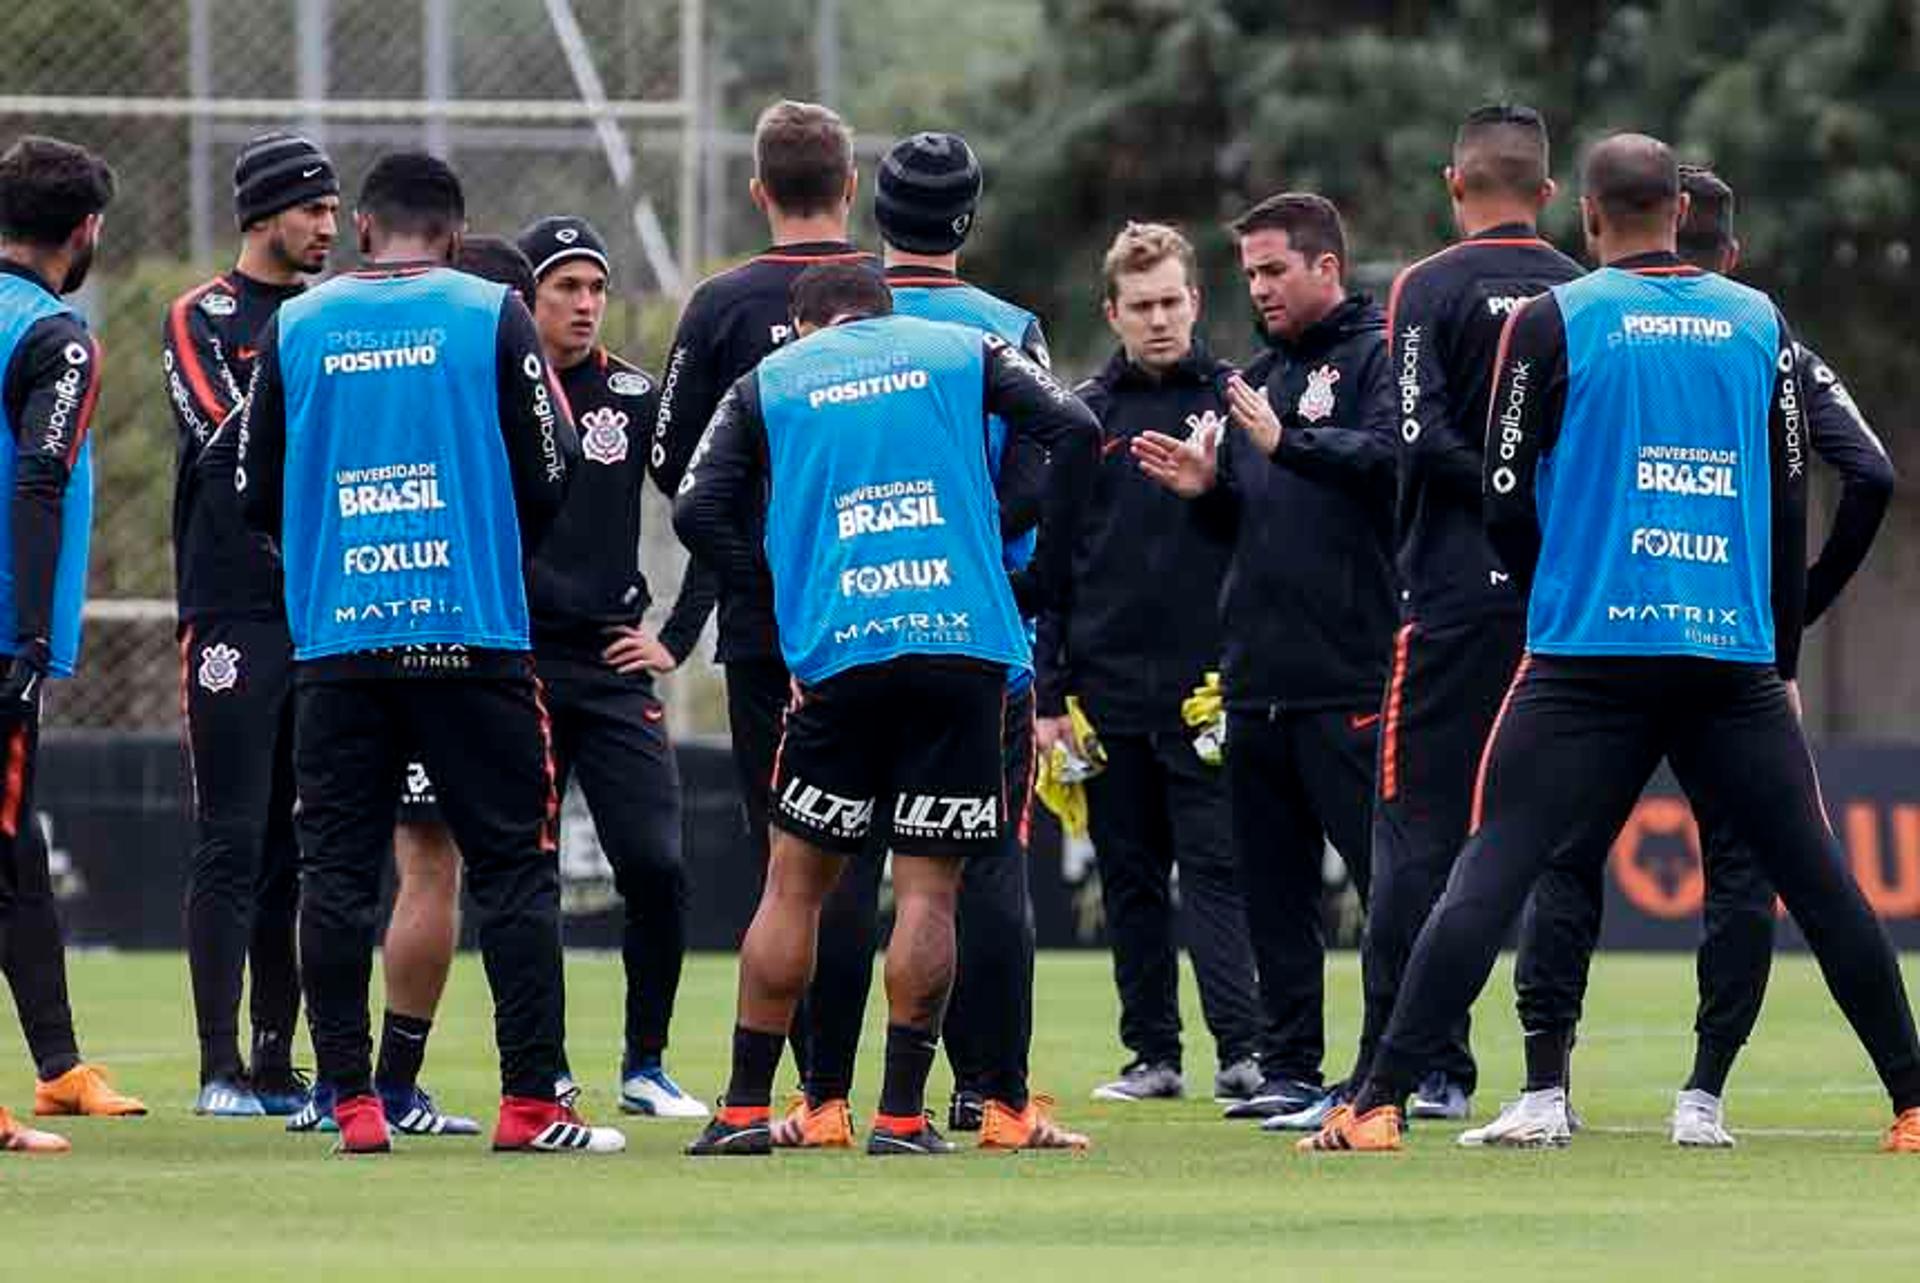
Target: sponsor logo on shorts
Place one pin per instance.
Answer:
(952, 818)
(901, 575)
(1681, 545)
(219, 668)
(826, 812)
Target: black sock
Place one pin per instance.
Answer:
(903, 1091)
(1547, 1052)
(1712, 1062)
(1904, 1087)
(272, 1053)
(55, 1065)
(1376, 1092)
(403, 1045)
(219, 1058)
(756, 1058)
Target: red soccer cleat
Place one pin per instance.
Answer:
(363, 1125)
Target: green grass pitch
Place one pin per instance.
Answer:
(1170, 1192)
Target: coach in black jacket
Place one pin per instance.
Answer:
(1132, 633)
(1304, 481)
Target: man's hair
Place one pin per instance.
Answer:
(827, 290)
(48, 188)
(803, 156)
(1141, 247)
(1311, 222)
(497, 259)
(412, 193)
(1707, 230)
(1632, 178)
(1501, 150)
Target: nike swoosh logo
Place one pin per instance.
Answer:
(1360, 721)
(309, 173)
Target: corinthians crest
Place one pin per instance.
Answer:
(1316, 403)
(1207, 425)
(220, 667)
(603, 435)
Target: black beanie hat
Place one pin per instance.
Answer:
(278, 171)
(924, 200)
(558, 238)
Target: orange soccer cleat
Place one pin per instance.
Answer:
(84, 1089)
(1375, 1132)
(18, 1139)
(828, 1125)
(1904, 1136)
(1031, 1128)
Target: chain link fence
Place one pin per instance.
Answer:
(544, 106)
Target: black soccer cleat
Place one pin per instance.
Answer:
(739, 1138)
(966, 1112)
(885, 1141)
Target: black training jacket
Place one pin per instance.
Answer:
(1444, 317)
(730, 322)
(586, 577)
(1137, 625)
(1839, 434)
(49, 386)
(1308, 606)
(208, 342)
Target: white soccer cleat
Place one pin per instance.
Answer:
(1538, 1120)
(1699, 1121)
(651, 1092)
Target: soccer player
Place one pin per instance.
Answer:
(924, 203)
(423, 927)
(1736, 951)
(1304, 490)
(404, 444)
(52, 195)
(236, 657)
(595, 659)
(900, 634)
(1462, 624)
(804, 182)
(1136, 630)
(1662, 621)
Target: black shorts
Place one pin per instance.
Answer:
(919, 736)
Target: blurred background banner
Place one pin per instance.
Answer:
(111, 805)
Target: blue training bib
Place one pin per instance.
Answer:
(1655, 505)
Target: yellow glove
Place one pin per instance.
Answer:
(1060, 782)
(1206, 711)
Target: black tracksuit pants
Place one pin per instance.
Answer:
(485, 743)
(1446, 687)
(988, 1025)
(32, 951)
(1561, 929)
(243, 887)
(610, 732)
(1154, 808)
(1570, 752)
(1297, 780)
